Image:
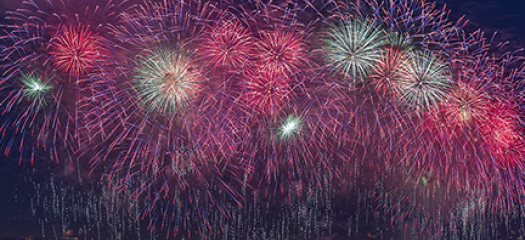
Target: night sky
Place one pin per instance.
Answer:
(16, 219)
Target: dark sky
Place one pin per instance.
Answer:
(507, 17)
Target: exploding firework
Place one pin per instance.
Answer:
(266, 93)
(353, 47)
(167, 82)
(387, 75)
(425, 80)
(194, 110)
(227, 44)
(282, 52)
(32, 95)
(76, 50)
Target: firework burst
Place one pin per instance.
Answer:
(282, 52)
(227, 44)
(387, 74)
(353, 47)
(266, 92)
(76, 50)
(166, 81)
(426, 80)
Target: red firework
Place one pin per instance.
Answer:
(281, 51)
(76, 50)
(501, 133)
(266, 92)
(227, 45)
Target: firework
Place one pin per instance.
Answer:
(266, 93)
(353, 47)
(76, 50)
(425, 80)
(191, 109)
(227, 44)
(387, 74)
(165, 81)
(281, 51)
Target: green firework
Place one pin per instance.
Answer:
(353, 47)
(34, 87)
(167, 81)
(290, 127)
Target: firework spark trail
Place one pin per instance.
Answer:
(182, 101)
(61, 43)
(33, 95)
(158, 116)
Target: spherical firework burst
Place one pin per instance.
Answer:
(281, 51)
(425, 80)
(501, 132)
(227, 44)
(76, 50)
(387, 74)
(167, 81)
(464, 104)
(353, 47)
(35, 88)
(290, 128)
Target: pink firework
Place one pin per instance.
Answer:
(501, 133)
(226, 45)
(281, 51)
(266, 92)
(471, 143)
(76, 50)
